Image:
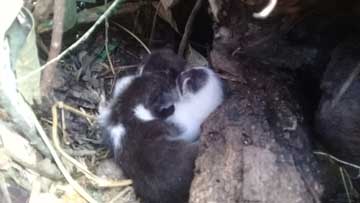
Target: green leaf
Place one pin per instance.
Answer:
(70, 17)
(23, 55)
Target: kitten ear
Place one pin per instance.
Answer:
(181, 81)
(192, 80)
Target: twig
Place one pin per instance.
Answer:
(345, 184)
(4, 190)
(62, 168)
(40, 43)
(79, 41)
(47, 79)
(154, 23)
(99, 181)
(63, 128)
(188, 28)
(87, 119)
(121, 194)
(90, 15)
(118, 69)
(125, 67)
(265, 12)
(346, 173)
(35, 190)
(61, 105)
(345, 85)
(337, 159)
(107, 42)
(58, 161)
(136, 20)
(83, 152)
(134, 36)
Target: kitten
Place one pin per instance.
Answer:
(201, 92)
(151, 122)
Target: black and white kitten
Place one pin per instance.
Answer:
(154, 86)
(200, 93)
(150, 124)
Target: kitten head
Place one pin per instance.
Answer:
(191, 81)
(164, 62)
(200, 93)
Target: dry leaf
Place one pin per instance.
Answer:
(166, 15)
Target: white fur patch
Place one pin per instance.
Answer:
(117, 133)
(192, 109)
(122, 84)
(142, 113)
(105, 107)
(104, 114)
(104, 111)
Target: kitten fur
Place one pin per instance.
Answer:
(201, 92)
(146, 110)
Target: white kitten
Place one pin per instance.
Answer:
(201, 93)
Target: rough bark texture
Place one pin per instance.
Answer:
(256, 147)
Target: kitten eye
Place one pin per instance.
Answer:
(165, 112)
